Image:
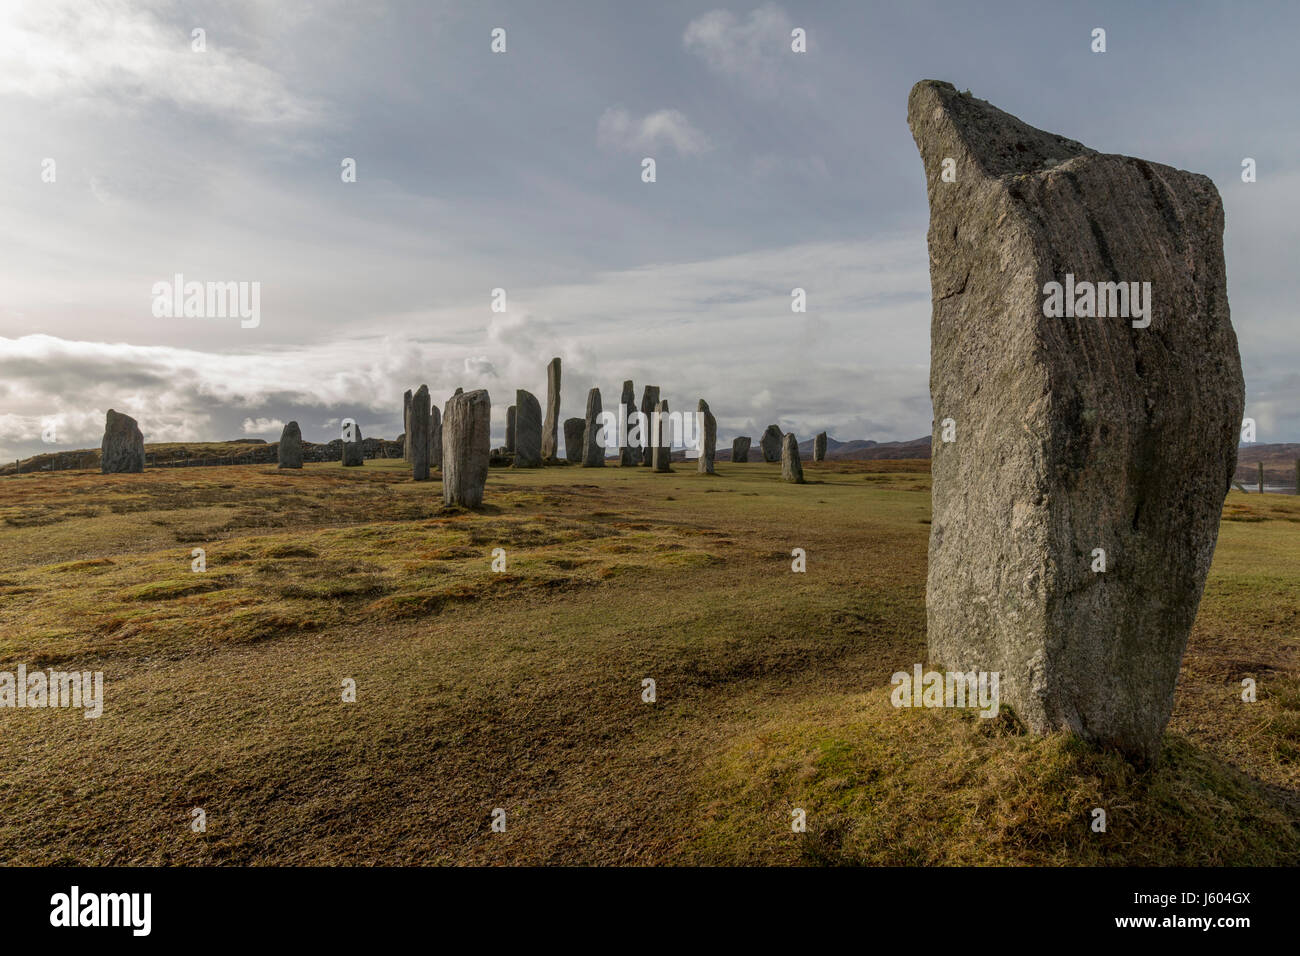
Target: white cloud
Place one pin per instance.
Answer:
(127, 54)
(754, 51)
(619, 130)
(262, 426)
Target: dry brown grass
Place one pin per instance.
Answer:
(522, 690)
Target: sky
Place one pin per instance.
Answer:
(522, 171)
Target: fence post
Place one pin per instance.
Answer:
(1261, 477)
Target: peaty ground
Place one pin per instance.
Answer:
(522, 689)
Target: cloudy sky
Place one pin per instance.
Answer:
(522, 171)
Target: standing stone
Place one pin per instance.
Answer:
(406, 425)
(662, 449)
(550, 450)
(511, 412)
(1057, 436)
(593, 454)
(740, 449)
(466, 446)
(528, 430)
(791, 467)
(289, 452)
(122, 450)
(353, 452)
(770, 443)
(419, 434)
(628, 455)
(435, 437)
(574, 431)
(819, 447)
(649, 399)
(708, 439)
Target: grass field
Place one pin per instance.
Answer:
(523, 689)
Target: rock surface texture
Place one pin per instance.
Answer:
(288, 454)
(708, 438)
(1059, 438)
(662, 439)
(574, 430)
(418, 434)
(466, 446)
(550, 447)
(528, 430)
(740, 449)
(406, 425)
(791, 466)
(770, 443)
(819, 447)
(435, 437)
(122, 450)
(627, 455)
(649, 399)
(593, 454)
(354, 453)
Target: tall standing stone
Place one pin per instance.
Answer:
(122, 450)
(288, 453)
(406, 425)
(791, 467)
(627, 454)
(740, 449)
(435, 437)
(466, 447)
(663, 448)
(353, 451)
(511, 412)
(550, 448)
(574, 431)
(1062, 441)
(528, 430)
(819, 447)
(770, 443)
(708, 438)
(593, 453)
(649, 399)
(419, 434)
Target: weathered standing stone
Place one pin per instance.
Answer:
(354, 454)
(550, 448)
(649, 399)
(419, 434)
(528, 430)
(740, 449)
(122, 449)
(770, 443)
(435, 437)
(466, 446)
(708, 439)
(406, 425)
(288, 453)
(593, 453)
(574, 430)
(511, 412)
(662, 439)
(1067, 435)
(819, 447)
(627, 454)
(791, 467)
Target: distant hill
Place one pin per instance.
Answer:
(240, 451)
(857, 450)
(1279, 464)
